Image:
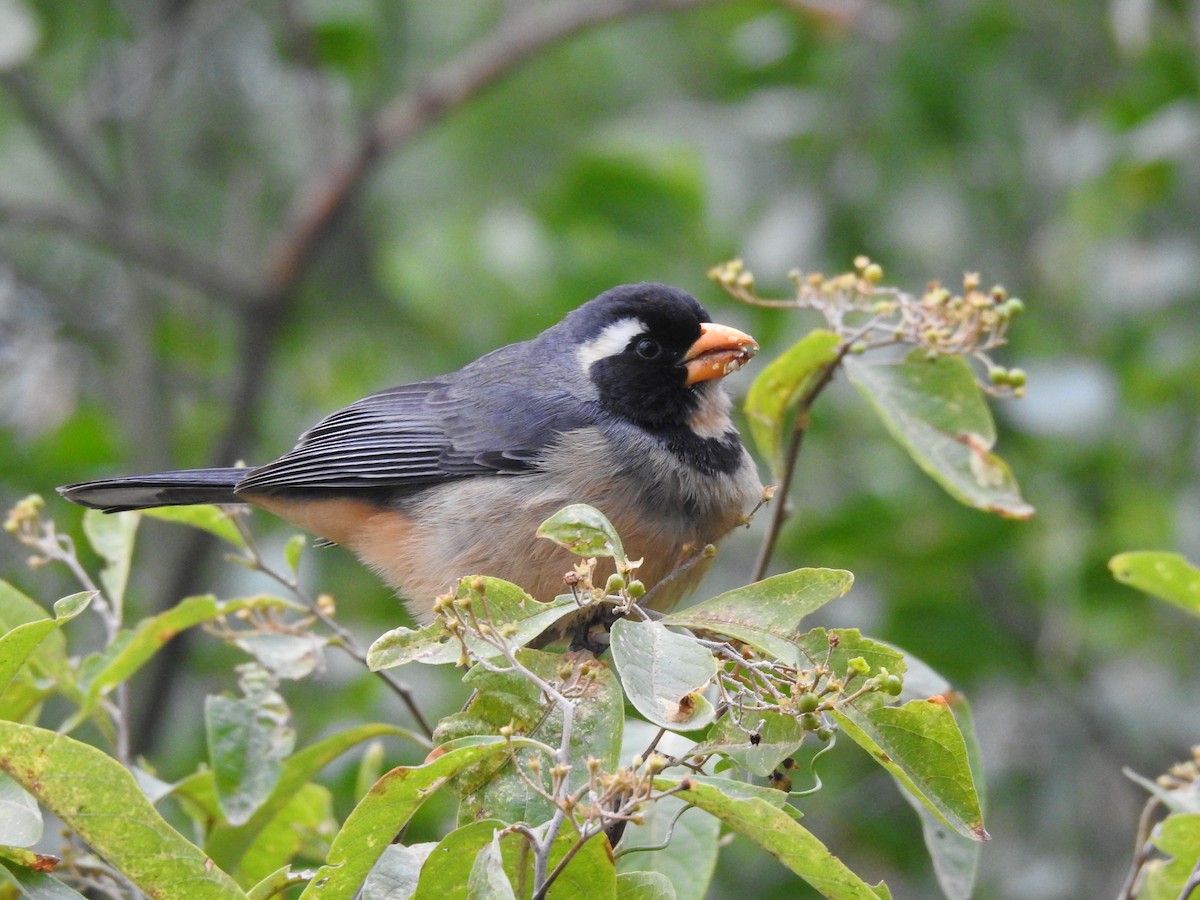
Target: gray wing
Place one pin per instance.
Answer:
(461, 426)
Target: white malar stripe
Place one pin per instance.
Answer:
(609, 342)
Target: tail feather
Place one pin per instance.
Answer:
(184, 488)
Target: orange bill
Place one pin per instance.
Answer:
(718, 351)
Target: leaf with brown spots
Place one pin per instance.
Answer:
(921, 745)
(99, 800)
(663, 673)
(936, 410)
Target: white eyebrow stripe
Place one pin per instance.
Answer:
(609, 342)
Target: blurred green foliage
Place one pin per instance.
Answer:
(1055, 147)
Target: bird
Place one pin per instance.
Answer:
(620, 405)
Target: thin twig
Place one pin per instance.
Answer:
(1192, 883)
(1141, 849)
(549, 880)
(42, 536)
(345, 639)
(666, 841)
(799, 426)
(654, 743)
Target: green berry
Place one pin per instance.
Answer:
(808, 702)
(824, 733)
(893, 685)
(810, 722)
(1016, 377)
(614, 584)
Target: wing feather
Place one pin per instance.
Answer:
(467, 424)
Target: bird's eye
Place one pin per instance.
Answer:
(648, 348)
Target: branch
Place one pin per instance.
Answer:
(120, 234)
(320, 206)
(1142, 849)
(345, 639)
(799, 425)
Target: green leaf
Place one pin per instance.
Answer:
(779, 736)
(490, 599)
(228, 844)
(293, 550)
(133, 649)
(370, 767)
(663, 674)
(1168, 576)
(29, 859)
(590, 873)
(745, 790)
(779, 834)
(212, 519)
(494, 789)
(848, 643)
(20, 817)
(248, 739)
(19, 644)
(396, 874)
(937, 412)
(921, 745)
(488, 880)
(291, 656)
(112, 535)
(37, 885)
(49, 658)
(645, 886)
(687, 862)
(767, 614)
(98, 799)
(780, 385)
(955, 857)
(583, 530)
(380, 815)
(307, 816)
(451, 865)
(447, 873)
(277, 883)
(1178, 837)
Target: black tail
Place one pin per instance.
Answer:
(183, 488)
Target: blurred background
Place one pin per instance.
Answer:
(220, 220)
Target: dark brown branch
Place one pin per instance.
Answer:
(1142, 849)
(799, 426)
(320, 206)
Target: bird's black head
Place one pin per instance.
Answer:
(652, 352)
